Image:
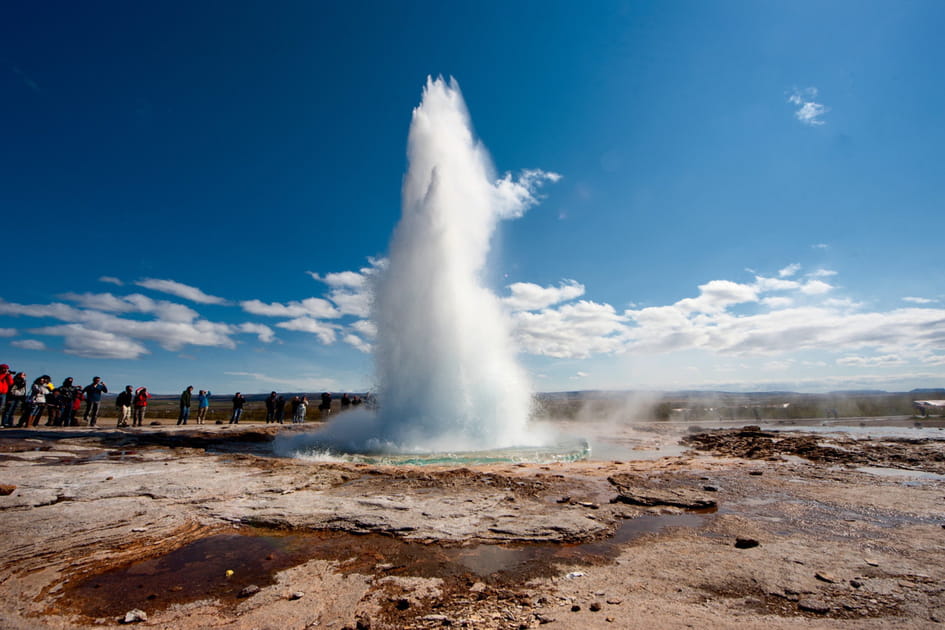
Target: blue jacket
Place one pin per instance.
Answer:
(203, 400)
(93, 393)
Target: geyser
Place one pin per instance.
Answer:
(448, 378)
(448, 381)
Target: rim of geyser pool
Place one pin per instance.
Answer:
(565, 451)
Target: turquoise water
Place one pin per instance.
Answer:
(570, 451)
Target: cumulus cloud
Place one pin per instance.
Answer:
(515, 196)
(808, 112)
(788, 271)
(526, 296)
(134, 303)
(815, 287)
(919, 300)
(111, 280)
(886, 360)
(717, 295)
(309, 307)
(358, 343)
(264, 333)
(7, 332)
(325, 332)
(94, 344)
(570, 331)
(180, 290)
(304, 383)
(777, 302)
(28, 344)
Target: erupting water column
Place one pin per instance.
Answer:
(448, 379)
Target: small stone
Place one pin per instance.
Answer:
(478, 587)
(109, 478)
(134, 616)
(825, 577)
(870, 562)
(575, 574)
(543, 619)
(746, 543)
(755, 473)
(609, 619)
(6, 489)
(575, 608)
(594, 607)
(813, 605)
(440, 618)
(296, 595)
(402, 604)
(248, 591)
(139, 529)
(710, 488)
(589, 505)
(856, 583)
(614, 602)
(564, 500)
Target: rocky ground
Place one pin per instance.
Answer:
(201, 528)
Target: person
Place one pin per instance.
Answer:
(6, 382)
(52, 405)
(279, 406)
(356, 401)
(65, 397)
(140, 404)
(203, 405)
(271, 408)
(185, 405)
(325, 407)
(345, 401)
(238, 401)
(76, 405)
(300, 412)
(93, 399)
(16, 398)
(123, 406)
(37, 399)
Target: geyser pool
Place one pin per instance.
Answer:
(448, 380)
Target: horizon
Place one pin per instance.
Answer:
(737, 194)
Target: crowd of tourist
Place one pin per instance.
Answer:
(23, 404)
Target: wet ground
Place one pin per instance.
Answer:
(729, 527)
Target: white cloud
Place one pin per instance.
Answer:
(515, 196)
(7, 332)
(919, 300)
(341, 279)
(809, 112)
(571, 330)
(301, 384)
(94, 344)
(820, 246)
(324, 331)
(134, 303)
(180, 290)
(265, 333)
(789, 271)
(532, 297)
(763, 284)
(357, 342)
(309, 307)
(821, 273)
(111, 280)
(777, 302)
(886, 360)
(28, 344)
(365, 328)
(717, 295)
(815, 287)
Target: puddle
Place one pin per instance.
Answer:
(198, 571)
(899, 472)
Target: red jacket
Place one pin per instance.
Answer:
(141, 398)
(6, 382)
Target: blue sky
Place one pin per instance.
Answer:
(751, 194)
